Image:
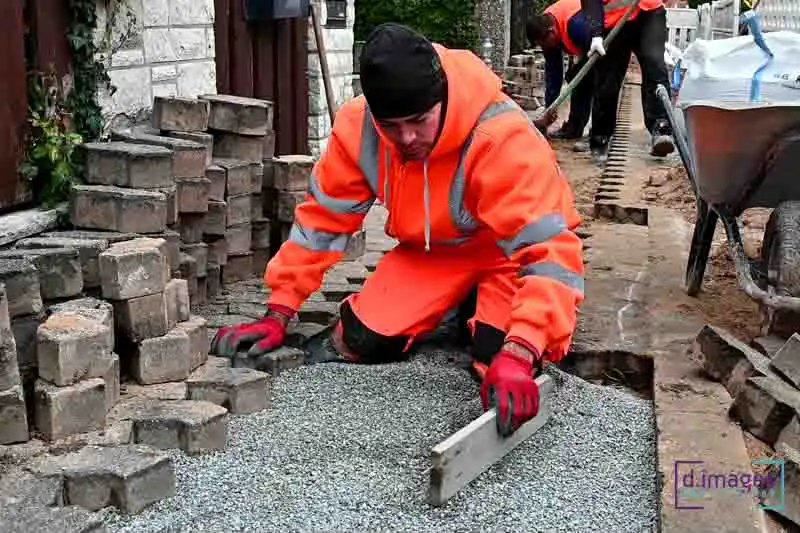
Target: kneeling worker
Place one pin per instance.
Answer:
(475, 198)
(563, 27)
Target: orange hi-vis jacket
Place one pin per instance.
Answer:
(490, 184)
(562, 11)
(613, 10)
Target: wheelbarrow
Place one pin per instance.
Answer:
(740, 156)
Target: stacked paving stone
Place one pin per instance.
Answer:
(523, 79)
(13, 414)
(764, 382)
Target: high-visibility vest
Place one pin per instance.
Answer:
(562, 11)
(613, 10)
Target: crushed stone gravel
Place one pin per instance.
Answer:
(345, 448)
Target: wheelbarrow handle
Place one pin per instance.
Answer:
(679, 134)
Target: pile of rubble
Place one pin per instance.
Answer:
(764, 382)
(102, 353)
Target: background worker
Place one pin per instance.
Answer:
(564, 28)
(475, 197)
(644, 34)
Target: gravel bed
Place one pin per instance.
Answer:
(345, 448)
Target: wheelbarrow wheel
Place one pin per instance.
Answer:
(780, 258)
(703, 236)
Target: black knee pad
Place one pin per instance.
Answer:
(487, 342)
(371, 347)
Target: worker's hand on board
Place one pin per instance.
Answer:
(597, 47)
(509, 387)
(258, 338)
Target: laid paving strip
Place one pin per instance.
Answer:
(347, 448)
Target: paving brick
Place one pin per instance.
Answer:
(91, 308)
(215, 223)
(260, 259)
(790, 435)
(273, 362)
(768, 345)
(25, 489)
(64, 411)
(352, 272)
(134, 268)
(269, 144)
(239, 238)
(171, 194)
(260, 230)
(129, 477)
(765, 406)
(125, 164)
(199, 296)
(192, 426)
(336, 292)
(287, 202)
(370, 260)
(239, 209)
(238, 268)
(256, 207)
(13, 416)
(318, 312)
(199, 137)
(256, 177)
(785, 479)
(786, 361)
(89, 250)
(238, 176)
(9, 365)
(721, 353)
(143, 317)
(173, 246)
(191, 226)
(188, 158)
(174, 390)
(5, 316)
(254, 310)
(116, 209)
(298, 333)
(234, 146)
(292, 172)
(269, 199)
(24, 329)
(195, 328)
(176, 294)
(21, 280)
(239, 390)
(110, 237)
(217, 178)
(193, 194)
(108, 369)
(236, 114)
(356, 246)
(162, 359)
(213, 281)
(174, 113)
(60, 274)
(268, 180)
(69, 345)
(188, 269)
(217, 252)
(19, 519)
(199, 251)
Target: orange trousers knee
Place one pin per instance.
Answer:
(411, 290)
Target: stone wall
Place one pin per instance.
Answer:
(339, 48)
(157, 48)
(494, 22)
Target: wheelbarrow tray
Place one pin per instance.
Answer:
(729, 145)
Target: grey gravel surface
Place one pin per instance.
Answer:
(345, 448)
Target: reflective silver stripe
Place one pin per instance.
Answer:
(368, 154)
(337, 205)
(462, 219)
(317, 240)
(556, 272)
(536, 232)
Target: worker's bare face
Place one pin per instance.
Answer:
(413, 136)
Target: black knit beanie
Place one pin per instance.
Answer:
(400, 72)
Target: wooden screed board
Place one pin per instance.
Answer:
(466, 454)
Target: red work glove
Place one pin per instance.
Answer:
(260, 337)
(510, 388)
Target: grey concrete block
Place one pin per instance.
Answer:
(18, 519)
(356, 246)
(13, 416)
(142, 318)
(216, 217)
(287, 203)
(236, 114)
(256, 177)
(109, 370)
(110, 237)
(274, 362)
(21, 280)
(217, 252)
(193, 426)
(196, 329)
(163, 359)
(64, 411)
(765, 406)
(173, 247)
(238, 175)
(5, 316)
(177, 297)
(188, 158)
(199, 251)
(200, 137)
(722, 353)
(173, 390)
(111, 208)
(60, 272)
(124, 164)
(260, 231)
(238, 268)
(89, 250)
(240, 390)
(213, 281)
(129, 477)
(171, 193)
(9, 365)
(292, 172)
(174, 113)
(134, 268)
(239, 238)
(217, 177)
(69, 344)
(24, 329)
(91, 308)
(192, 226)
(269, 144)
(786, 361)
(239, 209)
(256, 206)
(193, 194)
(268, 180)
(241, 147)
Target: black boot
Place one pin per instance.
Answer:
(599, 147)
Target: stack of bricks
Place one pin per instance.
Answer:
(243, 141)
(158, 340)
(290, 185)
(524, 80)
(13, 414)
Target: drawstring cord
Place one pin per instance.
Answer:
(427, 208)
